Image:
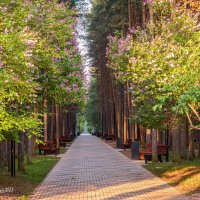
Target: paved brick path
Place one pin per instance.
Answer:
(93, 170)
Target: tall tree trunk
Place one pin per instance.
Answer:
(135, 131)
(29, 143)
(154, 145)
(159, 137)
(45, 117)
(21, 167)
(9, 155)
(63, 124)
(125, 113)
(176, 145)
(57, 126)
(148, 136)
(52, 122)
(3, 154)
(130, 14)
(183, 141)
(35, 118)
(143, 15)
(151, 12)
(143, 138)
(190, 145)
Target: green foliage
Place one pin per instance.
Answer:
(38, 59)
(162, 64)
(81, 120)
(92, 107)
(106, 17)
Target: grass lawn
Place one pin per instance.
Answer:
(184, 176)
(24, 184)
(62, 150)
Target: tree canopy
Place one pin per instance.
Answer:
(162, 65)
(38, 59)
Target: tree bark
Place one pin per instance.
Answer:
(21, 167)
(183, 141)
(35, 117)
(57, 127)
(176, 145)
(143, 15)
(63, 124)
(190, 156)
(9, 155)
(148, 136)
(154, 145)
(45, 117)
(29, 150)
(3, 154)
(125, 113)
(151, 12)
(199, 148)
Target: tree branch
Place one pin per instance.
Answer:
(191, 124)
(195, 112)
(189, 119)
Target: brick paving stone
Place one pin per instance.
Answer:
(93, 170)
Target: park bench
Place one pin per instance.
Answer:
(127, 144)
(104, 136)
(48, 148)
(99, 134)
(162, 150)
(63, 140)
(110, 137)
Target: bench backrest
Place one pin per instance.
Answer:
(148, 148)
(161, 148)
(63, 138)
(47, 144)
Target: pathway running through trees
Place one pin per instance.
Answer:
(93, 170)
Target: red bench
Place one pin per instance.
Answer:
(110, 137)
(63, 140)
(48, 148)
(162, 150)
(127, 144)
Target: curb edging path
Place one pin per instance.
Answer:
(93, 170)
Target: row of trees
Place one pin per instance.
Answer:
(41, 75)
(149, 80)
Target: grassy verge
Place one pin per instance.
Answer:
(184, 176)
(62, 150)
(24, 184)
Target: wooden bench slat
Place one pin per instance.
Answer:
(48, 148)
(162, 150)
